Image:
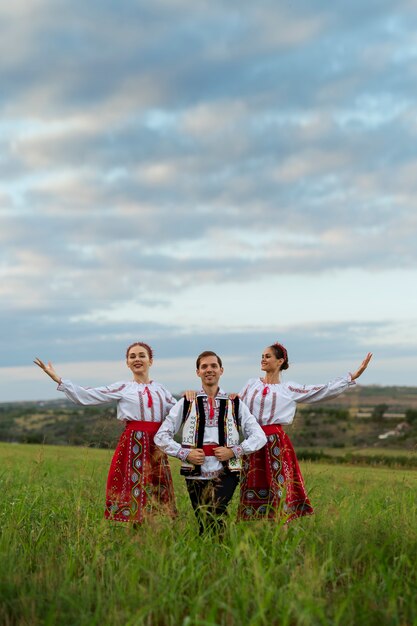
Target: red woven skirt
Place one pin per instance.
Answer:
(139, 480)
(272, 486)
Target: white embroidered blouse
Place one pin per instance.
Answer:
(276, 403)
(254, 435)
(133, 399)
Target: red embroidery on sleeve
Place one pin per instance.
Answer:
(107, 389)
(297, 390)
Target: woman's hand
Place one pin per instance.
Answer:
(190, 395)
(48, 369)
(363, 366)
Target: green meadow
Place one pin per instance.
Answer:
(352, 563)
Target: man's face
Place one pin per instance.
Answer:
(209, 371)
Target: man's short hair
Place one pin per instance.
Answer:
(208, 353)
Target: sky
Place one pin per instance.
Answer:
(207, 175)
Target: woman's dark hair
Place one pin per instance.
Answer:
(144, 345)
(280, 353)
(207, 353)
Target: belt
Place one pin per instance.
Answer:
(271, 429)
(145, 427)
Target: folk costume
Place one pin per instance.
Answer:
(139, 479)
(206, 424)
(272, 484)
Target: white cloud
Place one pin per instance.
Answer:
(202, 165)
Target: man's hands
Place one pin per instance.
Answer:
(223, 454)
(197, 456)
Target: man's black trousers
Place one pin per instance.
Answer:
(209, 499)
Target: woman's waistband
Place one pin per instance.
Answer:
(270, 429)
(145, 427)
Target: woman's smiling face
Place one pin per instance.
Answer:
(269, 362)
(138, 360)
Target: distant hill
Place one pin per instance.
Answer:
(366, 416)
(366, 397)
(59, 422)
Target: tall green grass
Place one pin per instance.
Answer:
(352, 563)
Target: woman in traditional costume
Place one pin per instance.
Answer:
(272, 485)
(139, 480)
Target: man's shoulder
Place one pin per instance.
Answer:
(221, 395)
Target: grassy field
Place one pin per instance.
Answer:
(352, 563)
(389, 458)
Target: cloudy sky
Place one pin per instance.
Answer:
(207, 175)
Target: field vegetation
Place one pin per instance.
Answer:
(366, 417)
(350, 564)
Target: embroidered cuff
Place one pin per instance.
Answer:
(350, 381)
(183, 453)
(238, 451)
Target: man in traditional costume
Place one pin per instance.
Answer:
(211, 451)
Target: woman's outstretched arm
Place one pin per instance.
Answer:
(83, 395)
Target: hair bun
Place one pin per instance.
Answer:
(281, 353)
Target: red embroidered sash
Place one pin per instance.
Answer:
(271, 429)
(144, 427)
(209, 449)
